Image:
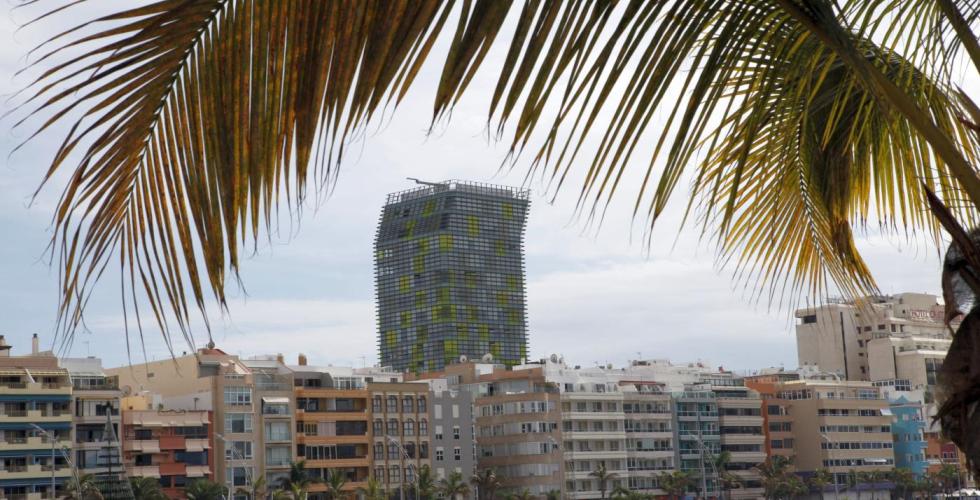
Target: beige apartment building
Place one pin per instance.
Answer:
(835, 337)
(517, 423)
(95, 409)
(249, 400)
(333, 422)
(399, 432)
(838, 425)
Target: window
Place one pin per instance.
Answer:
(238, 422)
(277, 431)
(423, 450)
(379, 427)
(408, 427)
(439, 454)
(277, 456)
(238, 450)
(238, 475)
(238, 395)
(455, 411)
(810, 318)
(376, 404)
(379, 451)
(438, 432)
(457, 454)
(392, 404)
(455, 432)
(421, 402)
(393, 427)
(393, 452)
(394, 474)
(379, 474)
(407, 404)
(423, 427)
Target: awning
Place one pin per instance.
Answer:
(49, 372)
(276, 400)
(886, 412)
(11, 371)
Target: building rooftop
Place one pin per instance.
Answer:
(432, 188)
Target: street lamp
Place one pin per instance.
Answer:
(401, 481)
(230, 478)
(831, 445)
(64, 454)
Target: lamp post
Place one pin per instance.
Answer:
(830, 446)
(401, 488)
(230, 478)
(51, 437)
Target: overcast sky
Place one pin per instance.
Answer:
(591, 297)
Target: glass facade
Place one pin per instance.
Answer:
(449, 271)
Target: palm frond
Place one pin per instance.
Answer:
(202, 119)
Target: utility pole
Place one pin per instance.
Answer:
(830, 446)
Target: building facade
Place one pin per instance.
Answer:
(449, 274)
(451, 430)
(171, 446)
(400, 422)
(35, 425)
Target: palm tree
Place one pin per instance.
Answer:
(675, 483)
(453, 486)
(553, 495)
(728, 480)
(146, 488)
(603, 477)
(486, 483)
(82, 488)
(298, 481)
(520, 495)
(820, 479)
(425, 483)
(372, 490)
(775, 475)
(796, 120)
(335, 485)
(204, 489)
(624, 493)
(258, 490)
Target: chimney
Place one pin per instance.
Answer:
(4, 348)
(280, 359)
(35, 345)
(302, 360)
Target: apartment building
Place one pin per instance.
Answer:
(835, 336)
(333, 422)
(908, 429)
(451, 430)
(649, 426)
(243, 401)
(698, 435)
(517, 423)
(35, 424)
(839, 425)
(740, 429)
(171, 446)
(95, 410)
(400, 438)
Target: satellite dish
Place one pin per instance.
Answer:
(463, 359)
(554, 358)
(487, 357)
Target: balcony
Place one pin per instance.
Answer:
(25, 388)
(198, 471)
(12, 443)
(36, 416)
(143, 471)
(196, 444)
(33, 471)
(142, 445)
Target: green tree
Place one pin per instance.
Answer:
(258, 490)
(728, 480)
(453, 486)
(146, 488)
(948, 477)
(797, 120)
(624, 493)
(373, 490)
(520, 495)
(675, 483)
(486, 484)
(905, 482)
(82, 488)
(425, 483)
(335, 483)
(602, 477)
(204, 489)
(553, 495)
(820, 479)
(298, 481)
(775, 476)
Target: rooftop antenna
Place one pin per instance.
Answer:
(426, 183)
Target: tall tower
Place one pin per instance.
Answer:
(449, 275)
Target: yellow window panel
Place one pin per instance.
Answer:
(499, 248)
(508, 210)
(418, 264)
(406, 319)
(445, 242)
(404, 283)
(472, 225)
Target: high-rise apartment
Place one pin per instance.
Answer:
(95, 408)
(449, 273)
(171, 446)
